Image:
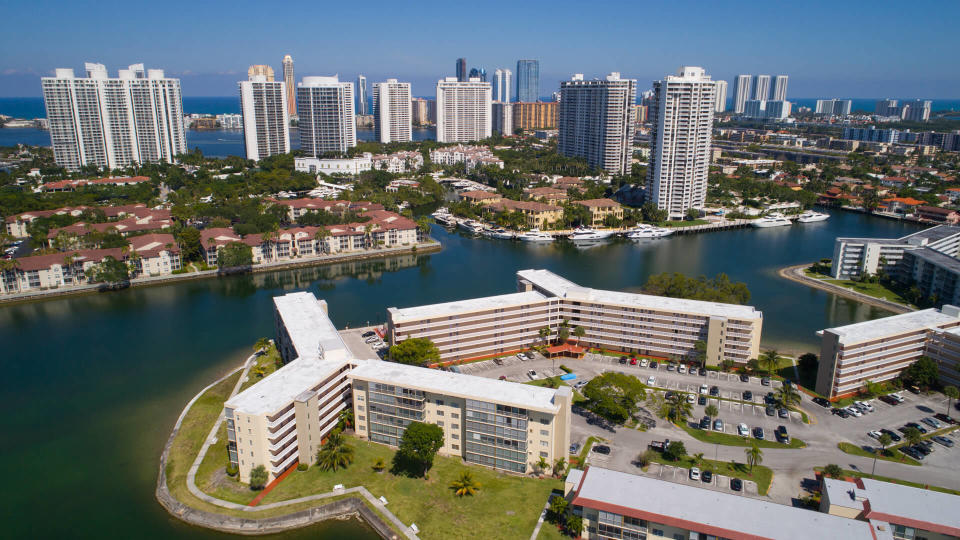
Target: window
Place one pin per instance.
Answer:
(543, 443)
(454, 416)
(658, 532)
(361, 418)
(455, 426)
(440, 402)
(544, 433)
(543, 454)
(440, 424)
(456, 447)
(359, 397)
(439, 413)
(455, 436)
(678, 537)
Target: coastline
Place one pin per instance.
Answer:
(795, 273)
(432, 246)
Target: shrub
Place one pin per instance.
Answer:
(232, 470)
(258, 477)
(303, 467)
(645, 458)
(565, 368)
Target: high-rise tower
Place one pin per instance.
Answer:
(761, 88)
(463, 110)
(501, 85)
(596, 121)
(461, 69)
(741, 93)
(721, 97)
(266, 123)
(392, 111)
(780, 88)
(361, 94)
(528, 80)
(291, 85)
(260, 70)
(327, 119)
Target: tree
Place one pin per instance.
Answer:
(808, 361)
(787, 396)
(675, 408)
(711, 411)
(110, 271)
(379, 465)
(833, 471)
(614, 396)
(770, 360)
(574, 525)
(579, 332)
(558, 507)
(717, 289)
(544, 333)
(234, 254)
(335, 453)
(698, 458)
(912, 435)
(189, 240)
(885, 439)
(258, 477)
(559, 467)
(727, 364)
(418, 446)
(262, 345)
(346, 418)
(563, 333)
(674, 451)
(952, 393)
(754, 456)
(415, 352)
(542, 464)
(870, 388)
(321, 238)
(700, 346)
(692, 214)
(465, 484)
(922, 373)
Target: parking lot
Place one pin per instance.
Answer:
(361, 343)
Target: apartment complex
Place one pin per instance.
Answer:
(880, 349)
(780, 88)
(600, 209)
(833, 107)
(721, 103)
(854, 257)
(327, 119)
(539, 115)
(635, 323)
(463, 110)
(507, 426)
(266, 122)
(613, 504)
(114, 122)
(470, 156)
(682, 132)
(289, 83)
(528, 81)
(596, 122)
(502, 80)
(501, 115)
(741, 93)
(392, 111)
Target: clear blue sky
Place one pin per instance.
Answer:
(842, 48)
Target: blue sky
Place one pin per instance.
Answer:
(833, 48)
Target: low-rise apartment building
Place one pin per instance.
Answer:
(635, 323)
(398, 162)
(880, 349)
(614, 504)
(600, 209)
(539, 215)
(853, 257)
(344, 166)
(499, 424)
(547, 195)
(156, 255)
(298, 207)
(213, 239)
(470, 156)
(480, 197)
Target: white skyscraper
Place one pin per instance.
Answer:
(392, 111)
(361, 95)
(741, 93)
(682, 119)
(291, 85)
(502, 85)
(463, 110)
(780, 88)
(114, 123)
(266, 122)
(596, 121)
(761, 88)
(721, 96)
(327, 120)
(502, 117)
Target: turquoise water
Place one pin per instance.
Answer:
(93, 384)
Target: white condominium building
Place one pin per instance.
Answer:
(880, 349)
(741, 93)
(721, 97)
(392, 111)
(596, 121)
(290, 84)
(463, 110)
(834, 107)
(502, 115)
(636, 323)
(502, 85)
(854, 257)
(361, 94)
(266, 124)
(327, 119)
(780, 88)
(682, 120)
(761, 88)
(114, 122)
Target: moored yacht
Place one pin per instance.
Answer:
(472, 225)
(499, 233)
(810, 217)
(535, 235)
(587, 234)
(775, 219)
(444, 217)
(648, 231)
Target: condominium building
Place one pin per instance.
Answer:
(880, 349)
(741, 93)
(779, 88)
(470, 156)
(528, 80)
(682, 119)
(351, 166)
(260, 70)
(392, 111)
(502, 117)
(289, 83)
(361, 107)
(833, 107)
(721, 103)
(539, 115)
(601, 209)
(420, 111)
(854, 257)
(761, 88)
(917, 111)
(595, 121)
(462, 69)
(872, 134)
(614, 504)
(502, 80)
(767, 110)
(635, 323)
(327, 120)
(507, 426)
(114, 123)
(266, 124)
(463, 110)
(886, 107)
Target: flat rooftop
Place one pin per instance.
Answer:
(895, 503)
(457, 307)
(932, 234)
(457, 384)
(887, 326)
(563, 288)
(281, 387)
(708, 511)
(311, 331)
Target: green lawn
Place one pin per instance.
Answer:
(858, 474)
(557, 383)
(678, 224)
(875, 290)
(726, 439)
(504, 503)
(585, 450)
(267, 361)
(760, 474)
(891, 454)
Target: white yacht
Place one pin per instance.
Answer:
(810, 217)
(534, 235)
(775, 219)
(444, 217)
(499, 233)
(472, 225)
(643, 231)
(587, 234)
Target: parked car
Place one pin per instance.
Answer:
(681, 369)
(643, 362)
(651, 380)
(718, 425)
(694, 473)
(714, 391)
(574, 448)
(671, 367)
(743, 430)
(889, 400)
(653, 365)
(943, 440)
(783, 413)
(765, 381)
(498, 361)
(532, 374)
(693, 371)
(944, 418)
(893, 435)
(875, 434)
(736, 484)
(821, 401)
(633, 361)
(932, 422)
(919, 428)
(744, 377)
(747, 395)
(853, 411)
(522, 357)
(368, 333)
(865, 406)
(502, 377)
(707, 477)
(782, 435)
(602, 449)
(771, 410)
(623, 360)
(702, 400)
(691, 398)
(758, 433)
(705, 422)
(898, 396)
(925, 449)
(912, 452)
(769, 398)
(703, 388)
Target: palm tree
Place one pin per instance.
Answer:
(260, 371)
(346, 417)
(9, 265)
(579, 332)
(676, 408)
(770, 360)
(754, 456)
(952, 393)
(544, 333)
(913, 435)
(262, 345)
(465, 484)
(335, 453)
(787, 396)
(321, 237)
(542, 465)
(885, 439)
(559, 466)
(698, 458)
(379, 465)
(367, 233)
(711, 411)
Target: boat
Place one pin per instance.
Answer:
(471, 225)
(499, 233)
(648, 231)
(810, 217)
(534, 235)
(444, 217)
(588, 234)
(775, 219)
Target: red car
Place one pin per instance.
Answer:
(633, 361)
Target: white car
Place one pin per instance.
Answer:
(682, 369)
(532, 374)
(875, 434)
(521, 357)
(743, 430)
(651, 380)
(691, 399)
(864, 406)
(898, 397)
(694, 473)
(854, 411)
(703, 388)
(643, 362)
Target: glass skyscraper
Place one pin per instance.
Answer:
(528, 80)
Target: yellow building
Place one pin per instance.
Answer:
(480, 197)
(539, 115)
(600, 209)
(547, 195)
(539, 215)
(260, 69)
